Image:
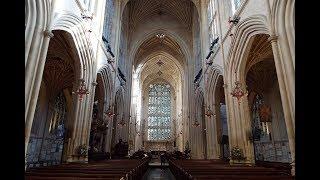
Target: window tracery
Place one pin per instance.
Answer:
(212, 20)
(235, 5)
(58, 116)
(108, 23)
(159, 112)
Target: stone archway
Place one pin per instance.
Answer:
(257, 50)
(52, 124)
(118, 122)
(269, 132)
(81, 52)
(219, 107)
(99, 122)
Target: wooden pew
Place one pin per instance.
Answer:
(215, 169)
(110, 169)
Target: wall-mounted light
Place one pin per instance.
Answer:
(235, 20)
(160, 35)
(109, 112)
(196, 124)
(209, 112)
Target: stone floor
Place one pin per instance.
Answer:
(154, 173)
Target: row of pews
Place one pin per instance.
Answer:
(218, 169)
(122, 169)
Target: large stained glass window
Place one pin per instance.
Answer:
(159, 112)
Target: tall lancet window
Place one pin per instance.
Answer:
(108, 20)
(212, 14)
(235, 4)
(159, 112)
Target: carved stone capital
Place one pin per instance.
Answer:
(48, 33)
(273, 38)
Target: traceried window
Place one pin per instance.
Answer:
(58, 116)
(258, 124)
(213, 33)
(235, 5)
(109, 13)
(159, 112)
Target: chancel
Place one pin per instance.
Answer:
(160, 89)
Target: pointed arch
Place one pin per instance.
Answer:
(107, 79)
(75, 26)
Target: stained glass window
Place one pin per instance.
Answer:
(257, 124)
(235, 5)
(212, 20)
(159, 112)
(58, 116)
(109, 13)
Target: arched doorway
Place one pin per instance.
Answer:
(269, 132)
(119, 143)
(51, 125)
(221, 120)
(99, 124)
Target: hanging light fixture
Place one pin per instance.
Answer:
(196, 123)
(238, 92)
(160, 63)
(83, 90)
(109, 112)
(122, 123)
(209, 112)
(160, 35)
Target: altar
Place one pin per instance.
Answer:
(159, 146)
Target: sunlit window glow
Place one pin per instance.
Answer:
(159, 112)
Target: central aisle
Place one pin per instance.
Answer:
(158, 173)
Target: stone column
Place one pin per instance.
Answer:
(81, 125)
(239, 124)
(33, 78)
(289, 117)
(217, 126)
(211, 124)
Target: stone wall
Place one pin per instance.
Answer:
(277, 152)
(44, 152)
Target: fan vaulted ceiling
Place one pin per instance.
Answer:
(155, 44)
(143, 9)
(169, 70)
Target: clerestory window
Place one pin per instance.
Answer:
(235, 4)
